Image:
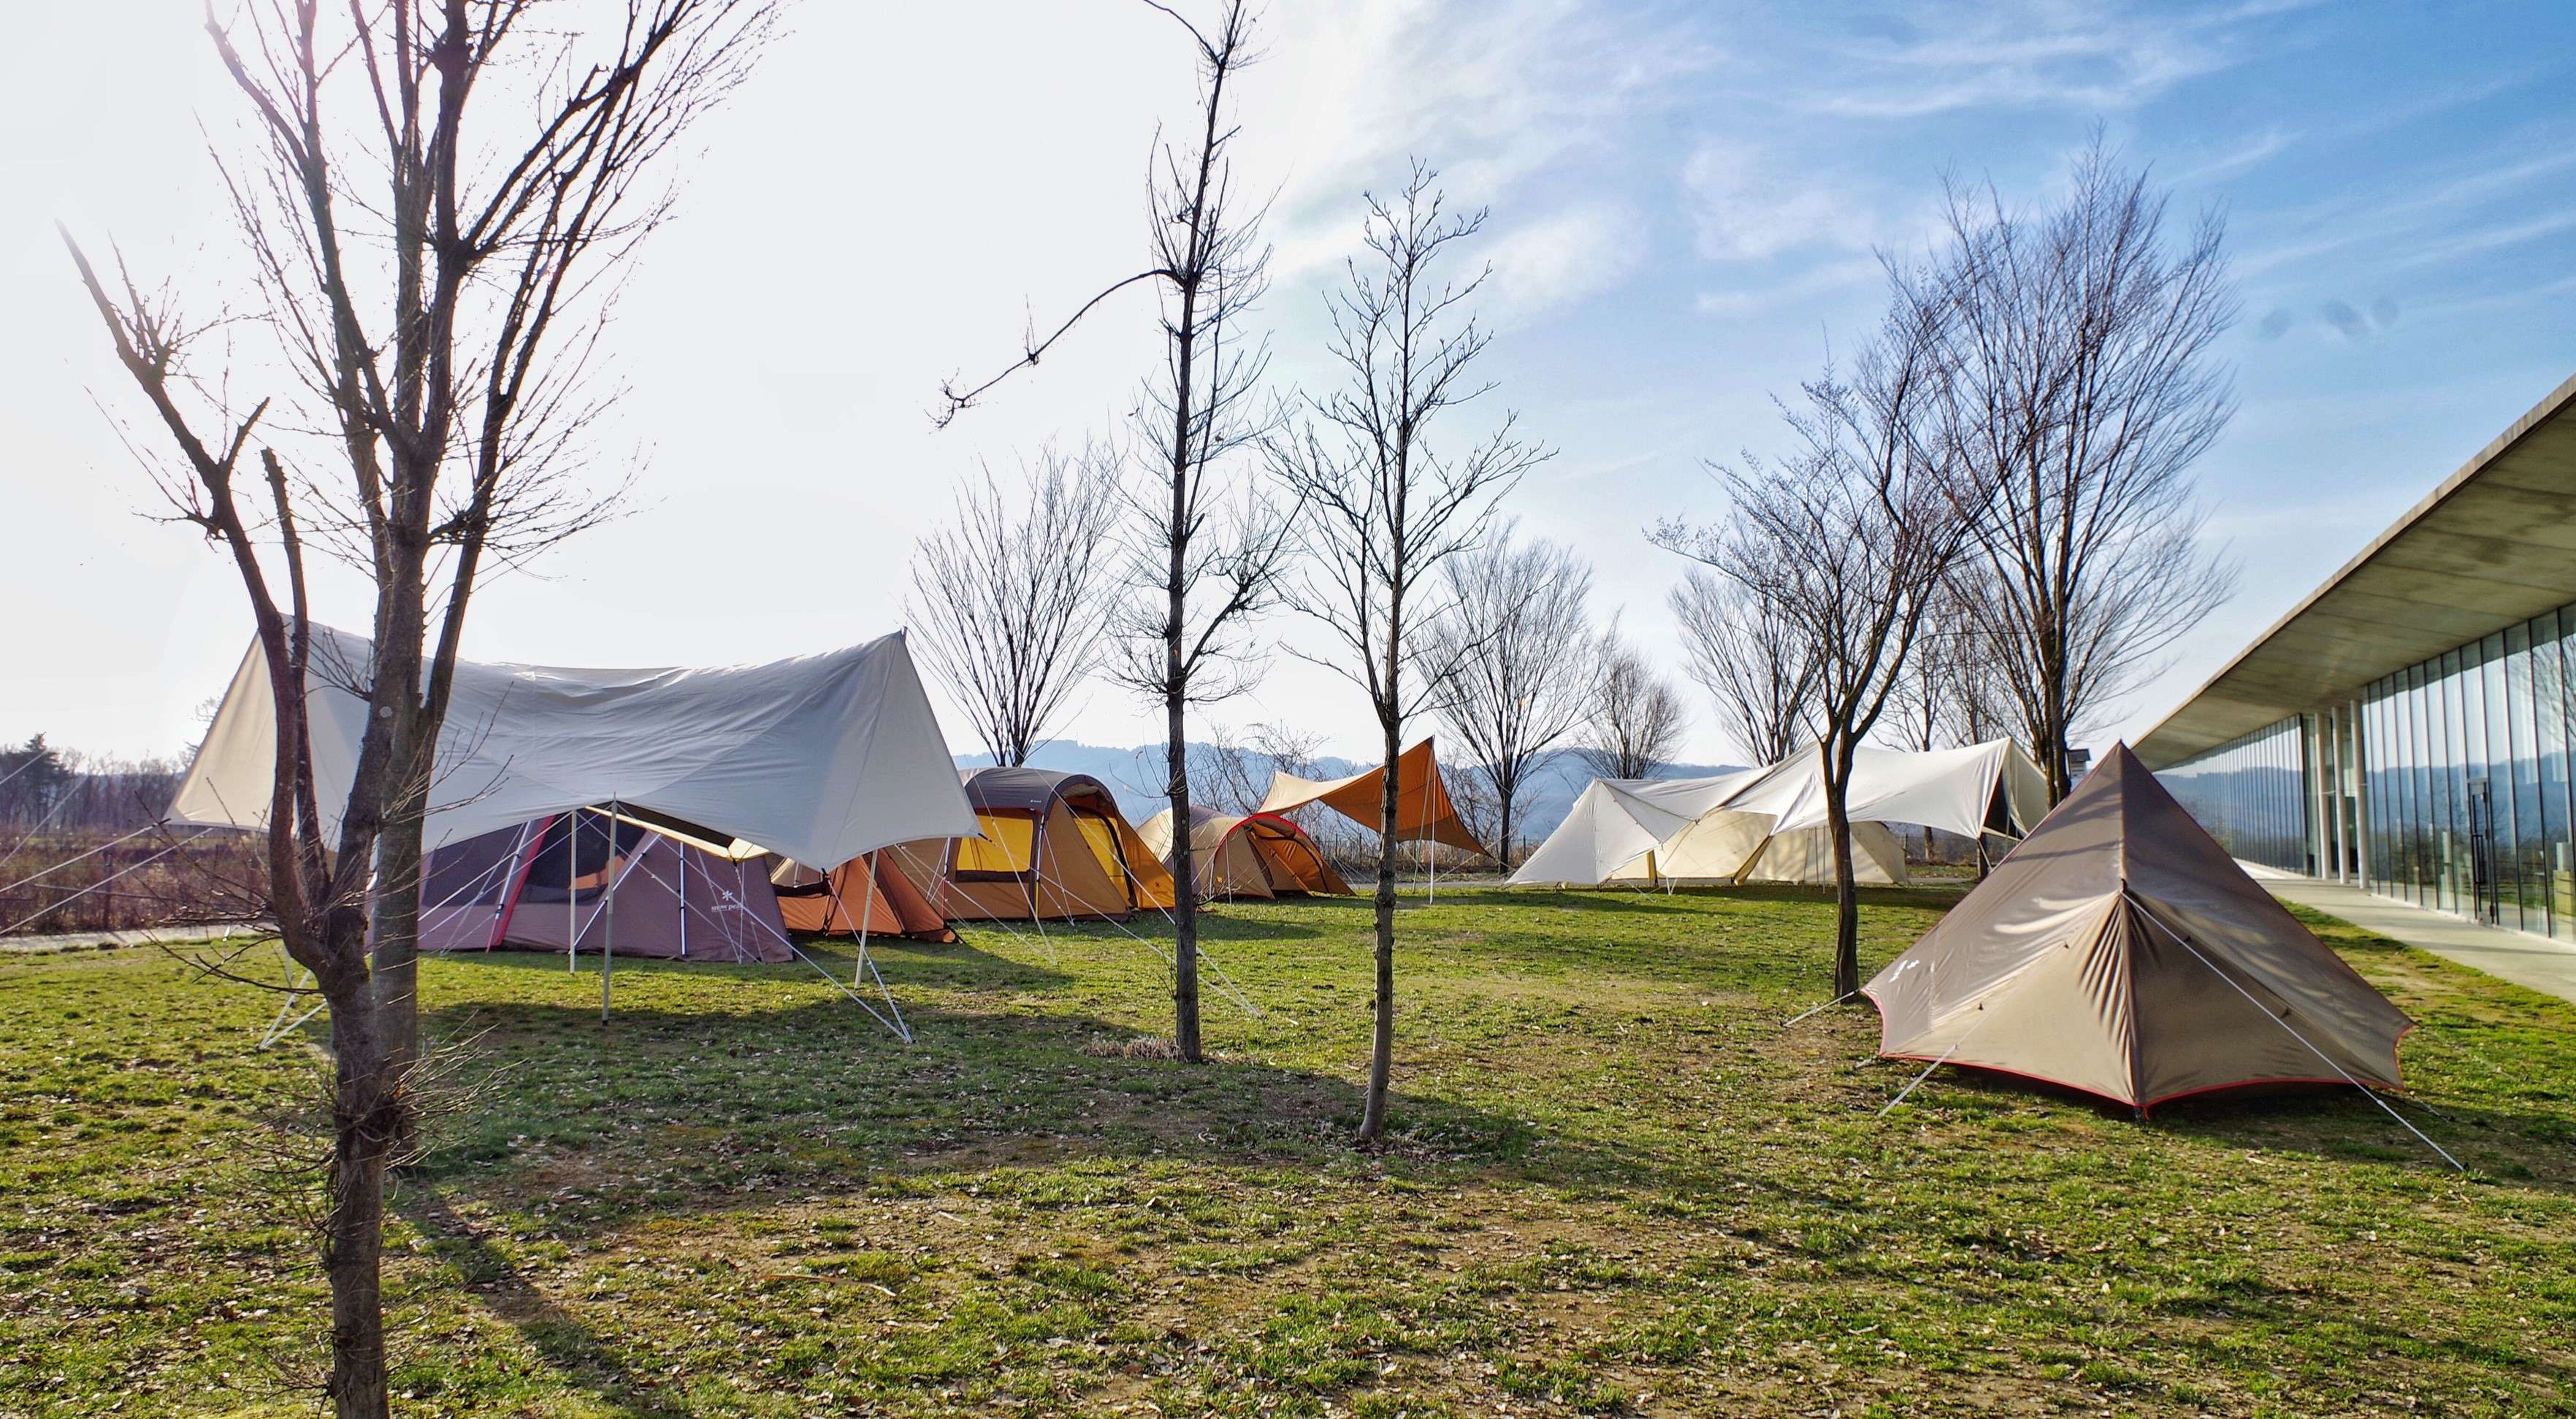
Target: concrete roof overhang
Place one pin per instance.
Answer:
(2493, 545)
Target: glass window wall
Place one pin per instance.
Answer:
(2466, 764)
(2251, 794)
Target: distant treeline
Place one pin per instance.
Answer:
(52, 790)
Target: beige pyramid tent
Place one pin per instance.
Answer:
(2119, 950)
(1248, 855)
(1054, 847)
(1423, 812)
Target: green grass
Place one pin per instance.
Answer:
(1618, 1185)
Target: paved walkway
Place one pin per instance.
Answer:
(88, 940)
(2531, 961)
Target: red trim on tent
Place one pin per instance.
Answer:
(1885, 1053)
(1296, 834)
(519, 882)
(2090, 1092)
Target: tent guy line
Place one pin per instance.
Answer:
(2281, 1018)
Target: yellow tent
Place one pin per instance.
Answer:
(1054, 847)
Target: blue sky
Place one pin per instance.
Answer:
(1685, 204)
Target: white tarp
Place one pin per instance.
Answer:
(1716, 828)
(1948, 789)
(1614, 823)
(820, 758)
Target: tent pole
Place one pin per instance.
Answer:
(608, 933)
(741, 888)
(1037, 827)
(1803, 1014)
(864, 913)
(1430, 849)
(572, 905)
(866, 909)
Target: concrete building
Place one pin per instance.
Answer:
(2407, 728)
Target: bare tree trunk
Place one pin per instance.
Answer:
(365, 1115)
(487, 272)
(394, 907)
(1846, 884)
(1383, 511)
(2054, 729)
(1382, 1007)
(1185, 884)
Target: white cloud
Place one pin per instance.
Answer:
(1492, 94)
(1562, 260)
(1743, 302)
(2035, 53)
(1746, 207)
(2429, 216)
(2236, 157)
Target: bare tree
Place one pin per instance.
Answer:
(1207, 549)
(1945, 694)
(1851, 536)
(2082, 344)
(1752, 658)
(1950, 690)
(1633, 718)
(1225, 773)
(1386, 506)
(1515, 649)
(436, 285)
(1012, 606)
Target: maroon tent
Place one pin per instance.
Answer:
(548, 886)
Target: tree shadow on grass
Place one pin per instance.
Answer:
(947, 964)
(577, 1352)
(715, 1103)
(1693, 900)
(584, 1132)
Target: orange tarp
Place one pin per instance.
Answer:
(1423, 812)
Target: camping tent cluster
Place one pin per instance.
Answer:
(2117, 949)
(707, 814)
(655, 811)
(1768, 824)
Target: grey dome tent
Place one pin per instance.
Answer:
(2120, 951)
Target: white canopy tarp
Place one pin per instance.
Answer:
(1724, 827)
(1615, 822)
(1952, 790)
(820, 758)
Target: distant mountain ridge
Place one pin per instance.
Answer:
(1134, 776)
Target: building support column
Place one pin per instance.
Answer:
(2358, 754)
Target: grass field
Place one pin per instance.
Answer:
(1620, 1185)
